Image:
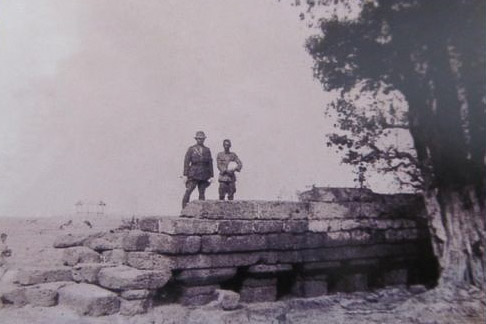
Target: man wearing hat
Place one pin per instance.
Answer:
(198, 168)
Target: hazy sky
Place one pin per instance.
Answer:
(100, 100)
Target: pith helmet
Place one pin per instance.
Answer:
(200, 134)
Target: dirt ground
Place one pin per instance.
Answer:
(31, 243)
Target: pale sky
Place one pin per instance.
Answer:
(101, 99)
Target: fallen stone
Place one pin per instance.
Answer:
(205, 276)
(245, 210)
(148, 261)
(32, 276)
(89, 300)
(116, 256)
(417, 289)
(106, 241)
(170, 244)
(134, 307)
(88, 272)
(227, 299)
(79, 254)
(44, 295)
(70, 240)
(124, 278)
(136, 294)
(14, 295)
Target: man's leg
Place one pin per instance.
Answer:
(221, 190)
(201, 187)
(190, 186)
(231, 190)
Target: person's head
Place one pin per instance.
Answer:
(226, 144)
(200, 137)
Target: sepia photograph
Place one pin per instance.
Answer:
(228, 161)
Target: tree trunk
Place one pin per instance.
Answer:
(456, 220)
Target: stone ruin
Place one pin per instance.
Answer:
(226, 253)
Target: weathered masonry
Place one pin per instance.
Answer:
(332, 240)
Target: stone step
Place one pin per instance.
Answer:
(90, 300)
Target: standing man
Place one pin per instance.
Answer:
(228, 163)
(198, 168)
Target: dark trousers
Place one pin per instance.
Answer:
(191, 184)
(227, 188)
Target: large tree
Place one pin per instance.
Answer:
(432, 52)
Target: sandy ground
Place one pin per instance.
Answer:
(31, 243)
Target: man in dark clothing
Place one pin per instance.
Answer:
(228, 163)
(198, 168)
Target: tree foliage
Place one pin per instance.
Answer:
(433, 53)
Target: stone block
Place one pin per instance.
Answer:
(174, 244)
(234, 243)
(106, 241)
(136, 294)
(198, 261)
(250, 294)
(359, 251)
(69, 240)
(178, 225)
(32, 276)
(205, 276)
(116, 256)
(88, 272)
(134, 307)
(352, 282)
(297, 226)
(227, 299)
(233, 227)
(245, 210)
(44, 295)
(283, 241)
(79, 254)
(124, 278)
(135, 241)
(89, 300)
(269, 268)
(14, 295)
(149, 261)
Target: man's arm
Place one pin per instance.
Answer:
(187, 162)
(240, 164)
(211, 171)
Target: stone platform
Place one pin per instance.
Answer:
(332, 240)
